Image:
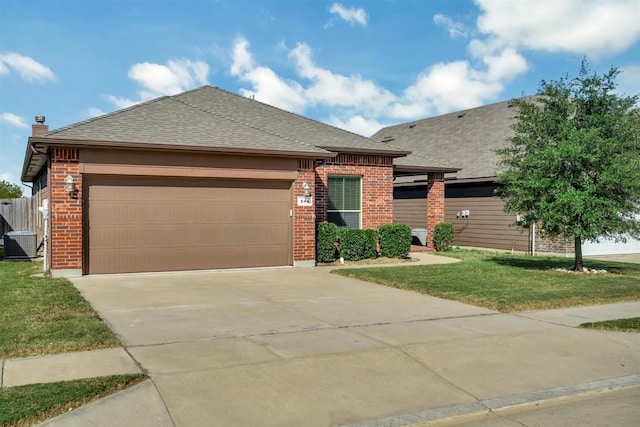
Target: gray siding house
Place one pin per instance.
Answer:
(467, 140)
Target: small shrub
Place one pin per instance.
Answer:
(370, 243)
(395, 240)
(326, 239)
(352, 244)
(443, 236)
(356, 244)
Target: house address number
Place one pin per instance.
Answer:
(305, 201)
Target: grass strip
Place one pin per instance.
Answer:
(511, 283)
(30, 404)
(44, 315)
(623, 325)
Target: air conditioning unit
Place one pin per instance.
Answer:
(20, 244)
(419, 236)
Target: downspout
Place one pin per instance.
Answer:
(45, 265)
(45, 217)
(533, 239)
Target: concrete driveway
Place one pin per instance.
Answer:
(292, 347)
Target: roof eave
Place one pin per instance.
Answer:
(319, 153)
(454, 180)
(420, 170)
(35, 158)
(38, 146)
(369, 151)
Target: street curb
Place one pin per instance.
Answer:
(489, 405)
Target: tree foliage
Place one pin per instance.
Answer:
(573, 164)
(9, 190)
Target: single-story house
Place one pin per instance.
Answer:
(468, 139)
(207, 179)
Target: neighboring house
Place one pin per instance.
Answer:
(468, 139)
(206, 179)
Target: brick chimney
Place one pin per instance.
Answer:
(39, 128)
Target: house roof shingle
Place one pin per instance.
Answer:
(466, 139)
(209, 118)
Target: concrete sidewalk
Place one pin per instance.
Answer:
(67, 366)
(499, 356)
(289, 347)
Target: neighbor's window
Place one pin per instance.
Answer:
(344, 208)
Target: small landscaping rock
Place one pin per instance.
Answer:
(584, 270)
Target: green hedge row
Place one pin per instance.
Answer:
(352, 244)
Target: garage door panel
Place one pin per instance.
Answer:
(611, 247)
(151, 224)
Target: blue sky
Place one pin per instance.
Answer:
(359, 65)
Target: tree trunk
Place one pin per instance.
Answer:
(577, 264)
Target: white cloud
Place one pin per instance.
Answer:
(9, 177)
(13, 120)
(95, 112)
(267, 86)
(28, 68)
(242, 59)
(350, 15)
(357, 124)
(447, 87)
(450, 86)
(120, 102)
(332, 89)
(455, 29)
(360, 104)
(173, 78)
(157, 80)
(629, 80)
(584, 27)
(504, 66)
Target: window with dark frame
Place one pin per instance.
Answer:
(344, 205)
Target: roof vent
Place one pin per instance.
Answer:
(40, 119)
(461, 115)
(388, 139)
(412, 126)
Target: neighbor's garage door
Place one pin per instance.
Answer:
(158, 224)
(610, 247)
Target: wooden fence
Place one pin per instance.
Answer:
(18, 215)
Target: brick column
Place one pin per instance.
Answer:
(435, 204)
(66, 214)
(304, 224)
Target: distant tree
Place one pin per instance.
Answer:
(573, 164)
(9, 190)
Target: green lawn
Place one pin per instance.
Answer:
(42, 315)
(39, 316)
(624, 325)
(511, 283)
(30, 404)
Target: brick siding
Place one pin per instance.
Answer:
(377, 202)
(435, 204)
(554, 245)
(377, 186)
(304, 230)
(66, 210)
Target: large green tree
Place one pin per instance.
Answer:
(9, 190)
(573, 164)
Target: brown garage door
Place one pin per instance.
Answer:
(157, 224)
